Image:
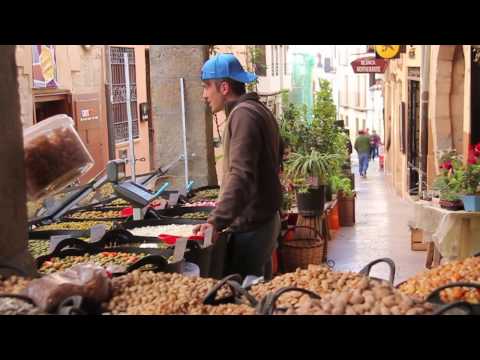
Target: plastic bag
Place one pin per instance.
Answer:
(87, 280)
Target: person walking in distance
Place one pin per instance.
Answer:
(362, 146)
(375, 142)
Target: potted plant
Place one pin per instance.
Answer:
(308, 174)
(450, 181)
(346, 200)
(471, 180)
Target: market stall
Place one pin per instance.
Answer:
(454, 234)
(317, 290)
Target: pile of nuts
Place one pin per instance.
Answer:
(103, 259)
(317, 278)
(467, 270)
(111, 214)
(38, 247)
(148, 293)
(12, 306)
(13, 284)
(372, 297)
(74, 225)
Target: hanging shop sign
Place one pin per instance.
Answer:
(44, 67)
(387, 51)
(369, 65)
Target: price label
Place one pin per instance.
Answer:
(97, 232)
(179, 251)
(149, 246)
(173, 198)
(208, 237)
(55, 240)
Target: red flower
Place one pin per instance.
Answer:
(476, 149)
(447, 165)
(472, 158)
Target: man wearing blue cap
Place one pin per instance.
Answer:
(250, 194)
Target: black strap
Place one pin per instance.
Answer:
(459, 304)
(391, 264)
(267, 306)
(434, 296)
(233, 282)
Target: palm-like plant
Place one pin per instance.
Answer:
(302, 167)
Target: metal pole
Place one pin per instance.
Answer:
(185, 155)
(424, 94)
(129, 115)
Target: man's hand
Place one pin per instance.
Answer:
(202, 228)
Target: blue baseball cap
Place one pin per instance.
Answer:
(223, 66)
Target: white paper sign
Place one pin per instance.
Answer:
(97, 232)
(208, 237)
(179, 251)
(149, 246)
(55, 240)
(173, 199)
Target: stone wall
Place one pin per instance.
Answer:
(169, 63)
(13, 212)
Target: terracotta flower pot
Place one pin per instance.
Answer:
(454, 205)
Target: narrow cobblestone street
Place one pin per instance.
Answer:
(381, 230)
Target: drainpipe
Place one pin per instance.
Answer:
(424, 95)
(109, 100)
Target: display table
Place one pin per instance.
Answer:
(454, 234)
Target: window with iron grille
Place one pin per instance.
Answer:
(118, 93)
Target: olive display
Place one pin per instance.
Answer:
(86, 215)
(103, 259)
(211, 194)
(199, 215)
(38, 247)
(74, 225)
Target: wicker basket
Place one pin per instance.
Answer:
(307, 247)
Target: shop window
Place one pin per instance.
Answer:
(328, 66)
(272, 61)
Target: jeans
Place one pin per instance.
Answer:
(374, 152)
(250, 253)
(363, 159)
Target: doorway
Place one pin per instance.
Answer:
(48, 105)
(475, 95)
(413, 136)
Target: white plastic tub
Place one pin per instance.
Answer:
(54, 156)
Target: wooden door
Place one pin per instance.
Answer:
(89, 126)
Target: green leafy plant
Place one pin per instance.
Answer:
(301, 168)
(341, 185)
(471, 175)
(450, 181)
